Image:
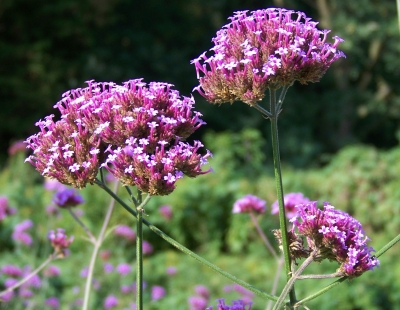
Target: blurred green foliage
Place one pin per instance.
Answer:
(360, 180)
(48, 47)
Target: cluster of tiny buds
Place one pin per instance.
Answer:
(265, 49)
(135, 131)
(337, 236)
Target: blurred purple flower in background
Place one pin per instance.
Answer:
(147, 248)
(125, 231)
(11, 271)
(291, 200)
(197, 303)
(25, 293)
(108, 267)
(84, 272)
(110, 302)
(249, 203)
(67, 198)
(124, 269)
(5, 208)
(53, 185)
(166, 212)
(52, 271)
(20, 235)
(52, 302)
(203, 291)
(17, 147)
(171, 271)
(157, 292)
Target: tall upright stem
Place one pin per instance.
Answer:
(139, 257)
(279, 187)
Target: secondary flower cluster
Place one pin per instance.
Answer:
(268, 48)
(337, 236)
(291, 200)
(136, 131)
(249, 203)
(60, 242)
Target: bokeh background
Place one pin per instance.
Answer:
(339, 137)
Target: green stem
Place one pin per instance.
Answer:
(262, 110)
(139, 256)
(289, 285)
(324, 290)
(388, 246)
(97, 244)
(279, 188)
(276, 281)
(88, 232)
(320, 276)
(263, 236)
(186, 250)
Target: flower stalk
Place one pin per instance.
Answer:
(184, 249)
(97, 244)
(28, 277)
(279, 187)
(139, 249)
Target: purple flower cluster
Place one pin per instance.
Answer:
(125, 231)
(67, 197)
(268, 48)
(157, 292)
(291, 200)
(14, 275)
(337, 236)
(249, 203)
(110, 302)
(200, 300)
(20, 233)
(135, 131)
(59, 241)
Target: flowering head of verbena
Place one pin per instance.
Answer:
(336, 236)
(263, 49)
(136, 131)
